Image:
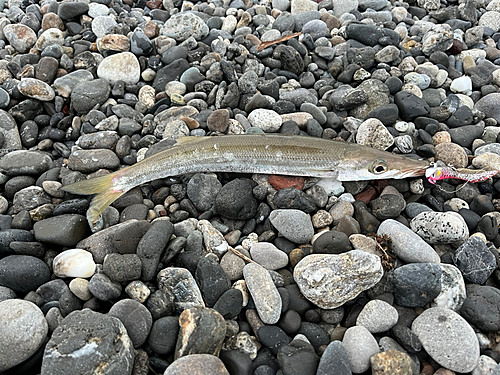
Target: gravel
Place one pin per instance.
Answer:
(238, 273)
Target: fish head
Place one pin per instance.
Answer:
(379, 165)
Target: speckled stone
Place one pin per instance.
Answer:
(447, 338)
(354, 271)
(440, 227)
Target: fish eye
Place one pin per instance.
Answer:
(380, 166)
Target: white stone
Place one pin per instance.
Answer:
(330, 280)
(453, 294)
(462, 85)
(267, 120)
(373, 133)
(48, 37)
(490, 19)
(120, 67)
(302, 6)
(212, 238)
(74, 263)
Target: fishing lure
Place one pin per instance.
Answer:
(436, 173)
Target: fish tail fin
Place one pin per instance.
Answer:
(103, 187)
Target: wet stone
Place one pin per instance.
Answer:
(122, 267)
(105, 341)
(23, 273)
(88, 161)
(84, 96)
(24, 162)
(481, 307)
(335, 360)
(212, 280)
(163, 335)
(202, 190)
(417, 284)
(62, 230)
(475, 260)
(180, 283)
(298, 357)
(135, 317)
(202, 331)
(121, 238)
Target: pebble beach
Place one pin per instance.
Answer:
(239, 273)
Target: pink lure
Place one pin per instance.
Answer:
(435, 174)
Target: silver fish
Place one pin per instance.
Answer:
(255, 153)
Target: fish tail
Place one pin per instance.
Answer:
(105, 190)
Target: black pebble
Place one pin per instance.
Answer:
(332, 242)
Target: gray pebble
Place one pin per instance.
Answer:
(268, 256)
(264, 293)
(447, 338)
(294, 225)
(360, 345)
(377, 316)
(135, 317)
(407, 246)
(23, 331)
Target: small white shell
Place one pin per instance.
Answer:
(74, 263)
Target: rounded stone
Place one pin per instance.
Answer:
(120, 67)
(23, 273)
(183, 25)
(267, 120)
(135, 317)
(23, 329)
(74, 263)
(407, 245)
(294, 225)
(377, 316)
(440, 227)
(87, 342)
(373, 133)
(264, 293)
(355, 270)
(197, 364)
(447, 338)
(361, 346)
(86, 95)
(36, 89)
(20, 36)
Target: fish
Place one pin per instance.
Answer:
(251, 153)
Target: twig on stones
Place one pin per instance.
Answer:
(264, 45)
(242, 256)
